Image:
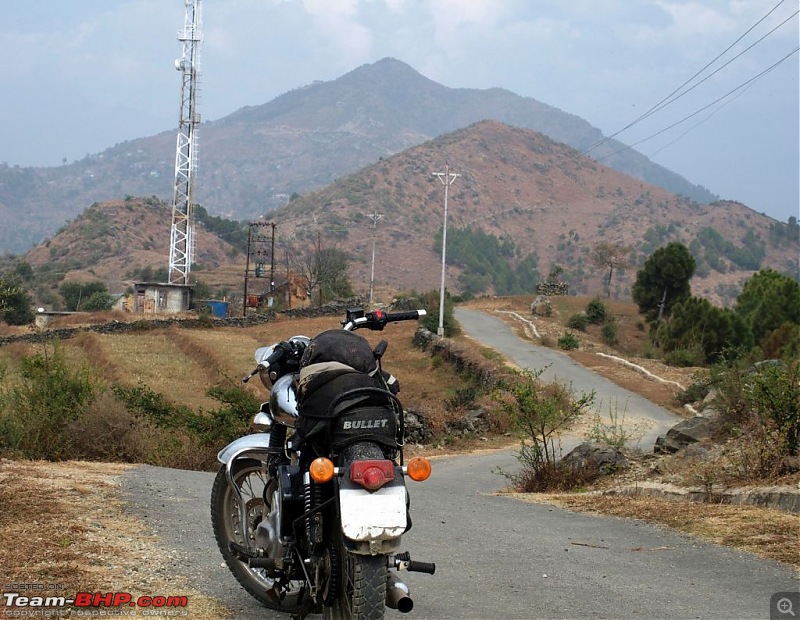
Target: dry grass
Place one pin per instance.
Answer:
(61, 524)
(183, 363)
(99, 359)
(154, 359)
(766, 532)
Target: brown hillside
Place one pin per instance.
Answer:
(520, 185)
(515, 184)
(109, 241)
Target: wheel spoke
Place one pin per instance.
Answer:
(252, 482)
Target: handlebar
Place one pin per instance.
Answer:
(377, 320)
(356, 318)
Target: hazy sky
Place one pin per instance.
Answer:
(79, 76)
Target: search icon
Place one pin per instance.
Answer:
(784, 606)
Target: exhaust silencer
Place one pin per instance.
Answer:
(397, 595)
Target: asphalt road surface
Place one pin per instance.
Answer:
(558, 366)
(497, 557)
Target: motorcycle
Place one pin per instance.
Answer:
(309, 511)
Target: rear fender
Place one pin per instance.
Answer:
(373, 522)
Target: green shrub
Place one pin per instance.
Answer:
(48, 396)
(430, 302)
(596, 311)
(539, 412)
(697, 391)
(609, 332)
(684, 358)
(218, 427)
(761, 403)
(152, 406)
(210, 429)
(578, 321)
(568, 341)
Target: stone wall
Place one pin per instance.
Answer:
(455, 355)
(332, 308)
(119, 327)
(552, 288)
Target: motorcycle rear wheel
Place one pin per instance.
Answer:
(362, 594)
(252, 479)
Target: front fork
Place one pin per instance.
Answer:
(260, 447)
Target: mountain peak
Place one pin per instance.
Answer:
(254, 159)
(390, 73)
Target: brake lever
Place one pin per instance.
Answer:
(252, 374)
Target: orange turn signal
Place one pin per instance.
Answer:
(321, 470)
(418, 468)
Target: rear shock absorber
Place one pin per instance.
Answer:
(312, 497)
(307, 503)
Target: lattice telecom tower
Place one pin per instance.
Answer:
(181, 249)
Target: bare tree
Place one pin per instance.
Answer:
(611, 256)
(325, 270)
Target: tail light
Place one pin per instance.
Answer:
(372, 475)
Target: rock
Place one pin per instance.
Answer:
(541, 306)
(602, 456)
(692, 430)
(417, 428)
(472, 422)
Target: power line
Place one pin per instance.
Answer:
(700, 122)
(669, 98)
(705, 107)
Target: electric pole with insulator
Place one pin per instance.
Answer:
(447, 178)
(374, 217)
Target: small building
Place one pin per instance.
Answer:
(44, 317)
(161, 297)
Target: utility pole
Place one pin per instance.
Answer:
(319, 266)
(259, 239)
(272, 260)
(247, 269)
(374, 217)
(447, 178)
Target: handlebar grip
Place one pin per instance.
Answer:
(421, 567)
(276, 356)
(411, 315)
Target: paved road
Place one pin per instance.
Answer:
(494, 333)
(497, 557)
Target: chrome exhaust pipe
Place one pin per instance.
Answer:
(397, 595)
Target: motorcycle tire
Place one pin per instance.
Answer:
(251, 478)
(362, 594)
